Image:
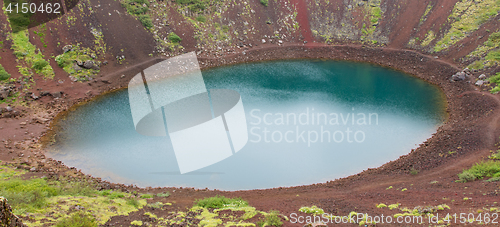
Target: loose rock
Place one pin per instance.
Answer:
(458, 76)
(88, 64)
(57, 94)
(67, 48)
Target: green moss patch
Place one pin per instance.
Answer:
(314, 210)
(29, 54)
(78, 219)
(62, 202)
(481, 170)
(4, 75)
(495, 79)
(221, 202)
(467, 16)
(194, 5)
(68, 61)
(139, 8)
(174, 38)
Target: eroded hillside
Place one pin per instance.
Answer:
(113, 34)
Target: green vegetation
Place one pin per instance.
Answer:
(50, 202)
(480, 170)
(194, 5)
(165, 194)
(136, 223)
(139, 8)
(146, 21)
(264, 2)
(312, 210)
(220, 202)
(18, 21)
(374, 14)
(156, 205)
(201, 19)
(271, 219)
(40, 64)
(225, 28)
(29, 195)
(467, 16)
(174, 38)
(476, 65)
(207, 211)
(4, 75)
(393, 206)
(427, 10)
(486, 52)
(147, 196)
(78, 219)
(111, 194)
(495, 79)
(493, 56)
(68, 60)
(27, 52)
(428, 38)
(495, 156)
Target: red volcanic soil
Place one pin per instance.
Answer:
(302, 18)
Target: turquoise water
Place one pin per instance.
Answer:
(309, 121)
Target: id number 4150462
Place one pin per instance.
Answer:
(485, 218)
(34, 8)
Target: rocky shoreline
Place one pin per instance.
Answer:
(406, 61)
(469, 111)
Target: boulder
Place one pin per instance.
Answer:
(480, 82)
(88, 64)
(482, 76)
(34, 97)
(79, 63)
(458, 76)
(40, 120)
(76, 67)
(4, 93)
(57, 94)
(7, 218)
(44, 93)
(67, 48)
